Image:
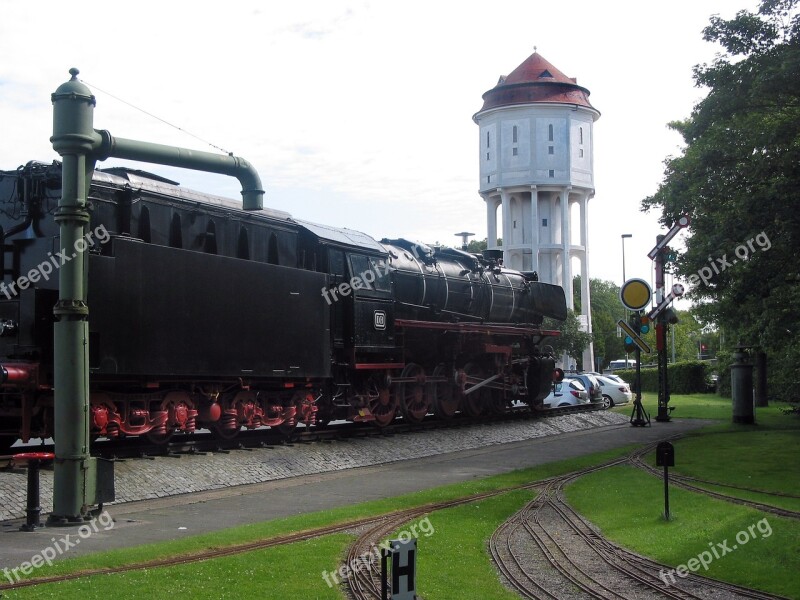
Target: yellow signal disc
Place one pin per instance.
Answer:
(635, 294)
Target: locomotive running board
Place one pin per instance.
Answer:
(476, 328)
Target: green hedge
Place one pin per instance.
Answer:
(688, 377)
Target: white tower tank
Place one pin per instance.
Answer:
(536, 162)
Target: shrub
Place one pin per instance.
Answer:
(688, 377)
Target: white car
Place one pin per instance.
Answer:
(569, 392)
(615, 390)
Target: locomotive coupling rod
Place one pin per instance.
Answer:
(478, 386)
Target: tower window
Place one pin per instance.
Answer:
(513, 151)
(544, 222)
(550, 150)
(488, 140)
(488, 179)
(514, 134)
(580, 132)
(551, 173)
(550, 132)
(580, 152)
(487, 156)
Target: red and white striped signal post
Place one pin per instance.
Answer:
(663, 315)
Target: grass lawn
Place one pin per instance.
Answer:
(712, 406)
(453, 563)
(761, 457)
(279, 573)
(751, 456)
(627, 504)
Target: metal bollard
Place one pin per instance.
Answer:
(32, 509)
(742, 386)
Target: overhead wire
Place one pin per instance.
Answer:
(156, 117)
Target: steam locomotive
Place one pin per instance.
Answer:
(203, 315)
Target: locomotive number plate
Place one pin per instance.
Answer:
(379, 320)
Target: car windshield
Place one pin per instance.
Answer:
(575, 383)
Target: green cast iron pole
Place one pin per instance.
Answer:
(80, 145)
(73, 138)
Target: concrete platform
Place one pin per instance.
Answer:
(155, 520)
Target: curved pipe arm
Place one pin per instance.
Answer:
(106, 146)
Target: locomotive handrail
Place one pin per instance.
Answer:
(524, 329)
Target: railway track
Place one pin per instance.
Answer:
(204, 442)
(548, 551)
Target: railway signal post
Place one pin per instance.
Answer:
(663, 315)
(635, 294)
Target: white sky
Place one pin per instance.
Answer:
(359, 114)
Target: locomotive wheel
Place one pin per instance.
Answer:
(476, 403)
(497, 402)
(165, 435)
(415, 402)
(445, 401)
(285, 429)
(162, 438)
(383, 407)
(224, 434)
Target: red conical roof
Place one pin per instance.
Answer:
(536, 81)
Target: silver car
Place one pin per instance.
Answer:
(570, 392)
(615, 390)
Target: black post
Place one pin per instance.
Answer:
(639, 417)
(32, 508)
(665, 457)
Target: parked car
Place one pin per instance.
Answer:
(615, 390)
(569, 392)
(610, 376)
(591, 385)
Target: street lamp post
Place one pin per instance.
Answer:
(624, 235)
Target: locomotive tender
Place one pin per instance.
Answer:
(203, 315)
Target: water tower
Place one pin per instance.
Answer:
(536, 166)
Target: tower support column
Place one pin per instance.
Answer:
(586, 303)
(491, 220)
(534, 241)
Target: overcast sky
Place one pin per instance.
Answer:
(359, 114)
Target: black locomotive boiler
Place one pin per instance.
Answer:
(202, 315)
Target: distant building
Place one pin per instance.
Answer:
(536, 162)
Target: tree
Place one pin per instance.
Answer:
(572, 340)
(737, 180)
(478, 246)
